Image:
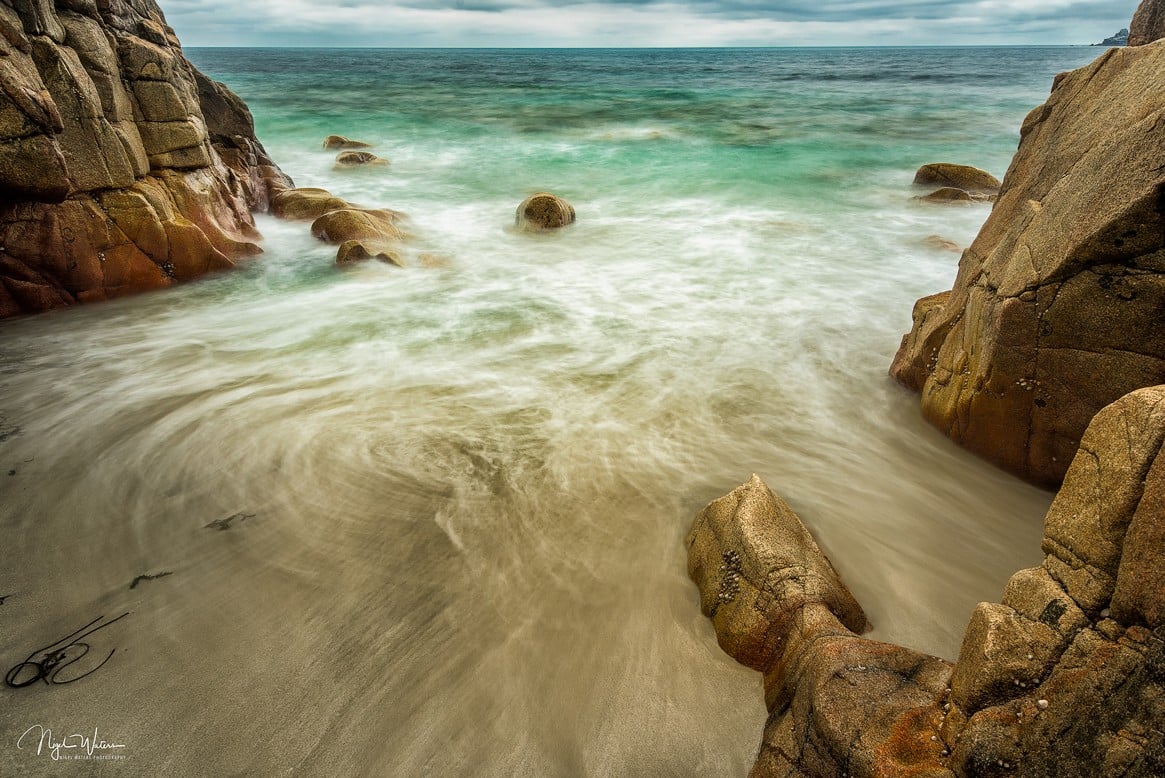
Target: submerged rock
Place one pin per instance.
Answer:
(1056, 309)
(948, 195)
(964, 177)
(544, 211)
(1065, 677)
(353, 251)
(358, 159)
(123, 167)
(1148, 23)
(942, 244)
(340, 142)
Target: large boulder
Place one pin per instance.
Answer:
(757, 566)
(1064, 678)
(778, 606)
(1056, 309)
(122, 167)
(1148, 23)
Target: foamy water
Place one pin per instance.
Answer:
(460, 494)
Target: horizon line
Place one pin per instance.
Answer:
(664, 48)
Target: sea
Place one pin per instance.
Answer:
(430, 520)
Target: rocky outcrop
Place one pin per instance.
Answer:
(1120, 39)
(121, 167)
(1056, 309)
(1065, 677)
(1148, 23)
(839, 704)
(543, 211)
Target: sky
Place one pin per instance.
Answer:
(553, 23)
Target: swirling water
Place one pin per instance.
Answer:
(461, 493)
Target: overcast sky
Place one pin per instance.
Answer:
(504, 23)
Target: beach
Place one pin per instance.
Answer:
(430, 520)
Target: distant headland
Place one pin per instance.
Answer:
(1120, 39)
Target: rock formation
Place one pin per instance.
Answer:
(1064, 678)
(361, 233)
(1148, 23)
(1120, 39)
(543, 211)
(1056, 309)
(122, 168)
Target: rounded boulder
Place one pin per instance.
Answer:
(965, 177)
(355, 224)
(544, 211)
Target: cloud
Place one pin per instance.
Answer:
(394, 23)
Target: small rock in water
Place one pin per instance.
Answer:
(942, 244)
(340, 142)
(947, 195)
(965, 177)
(352, 251)
(349, 159)
(544, 211)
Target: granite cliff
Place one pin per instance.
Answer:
(122, 168)
(1148, 23)
(1056, 308)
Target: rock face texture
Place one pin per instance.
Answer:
(1065, 677)
(1056, 309)
(121, 167)
(1148, 23)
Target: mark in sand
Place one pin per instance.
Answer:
(225, 524)
(153, 577)
(58, 655)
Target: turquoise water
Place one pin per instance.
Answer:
(468, 487)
